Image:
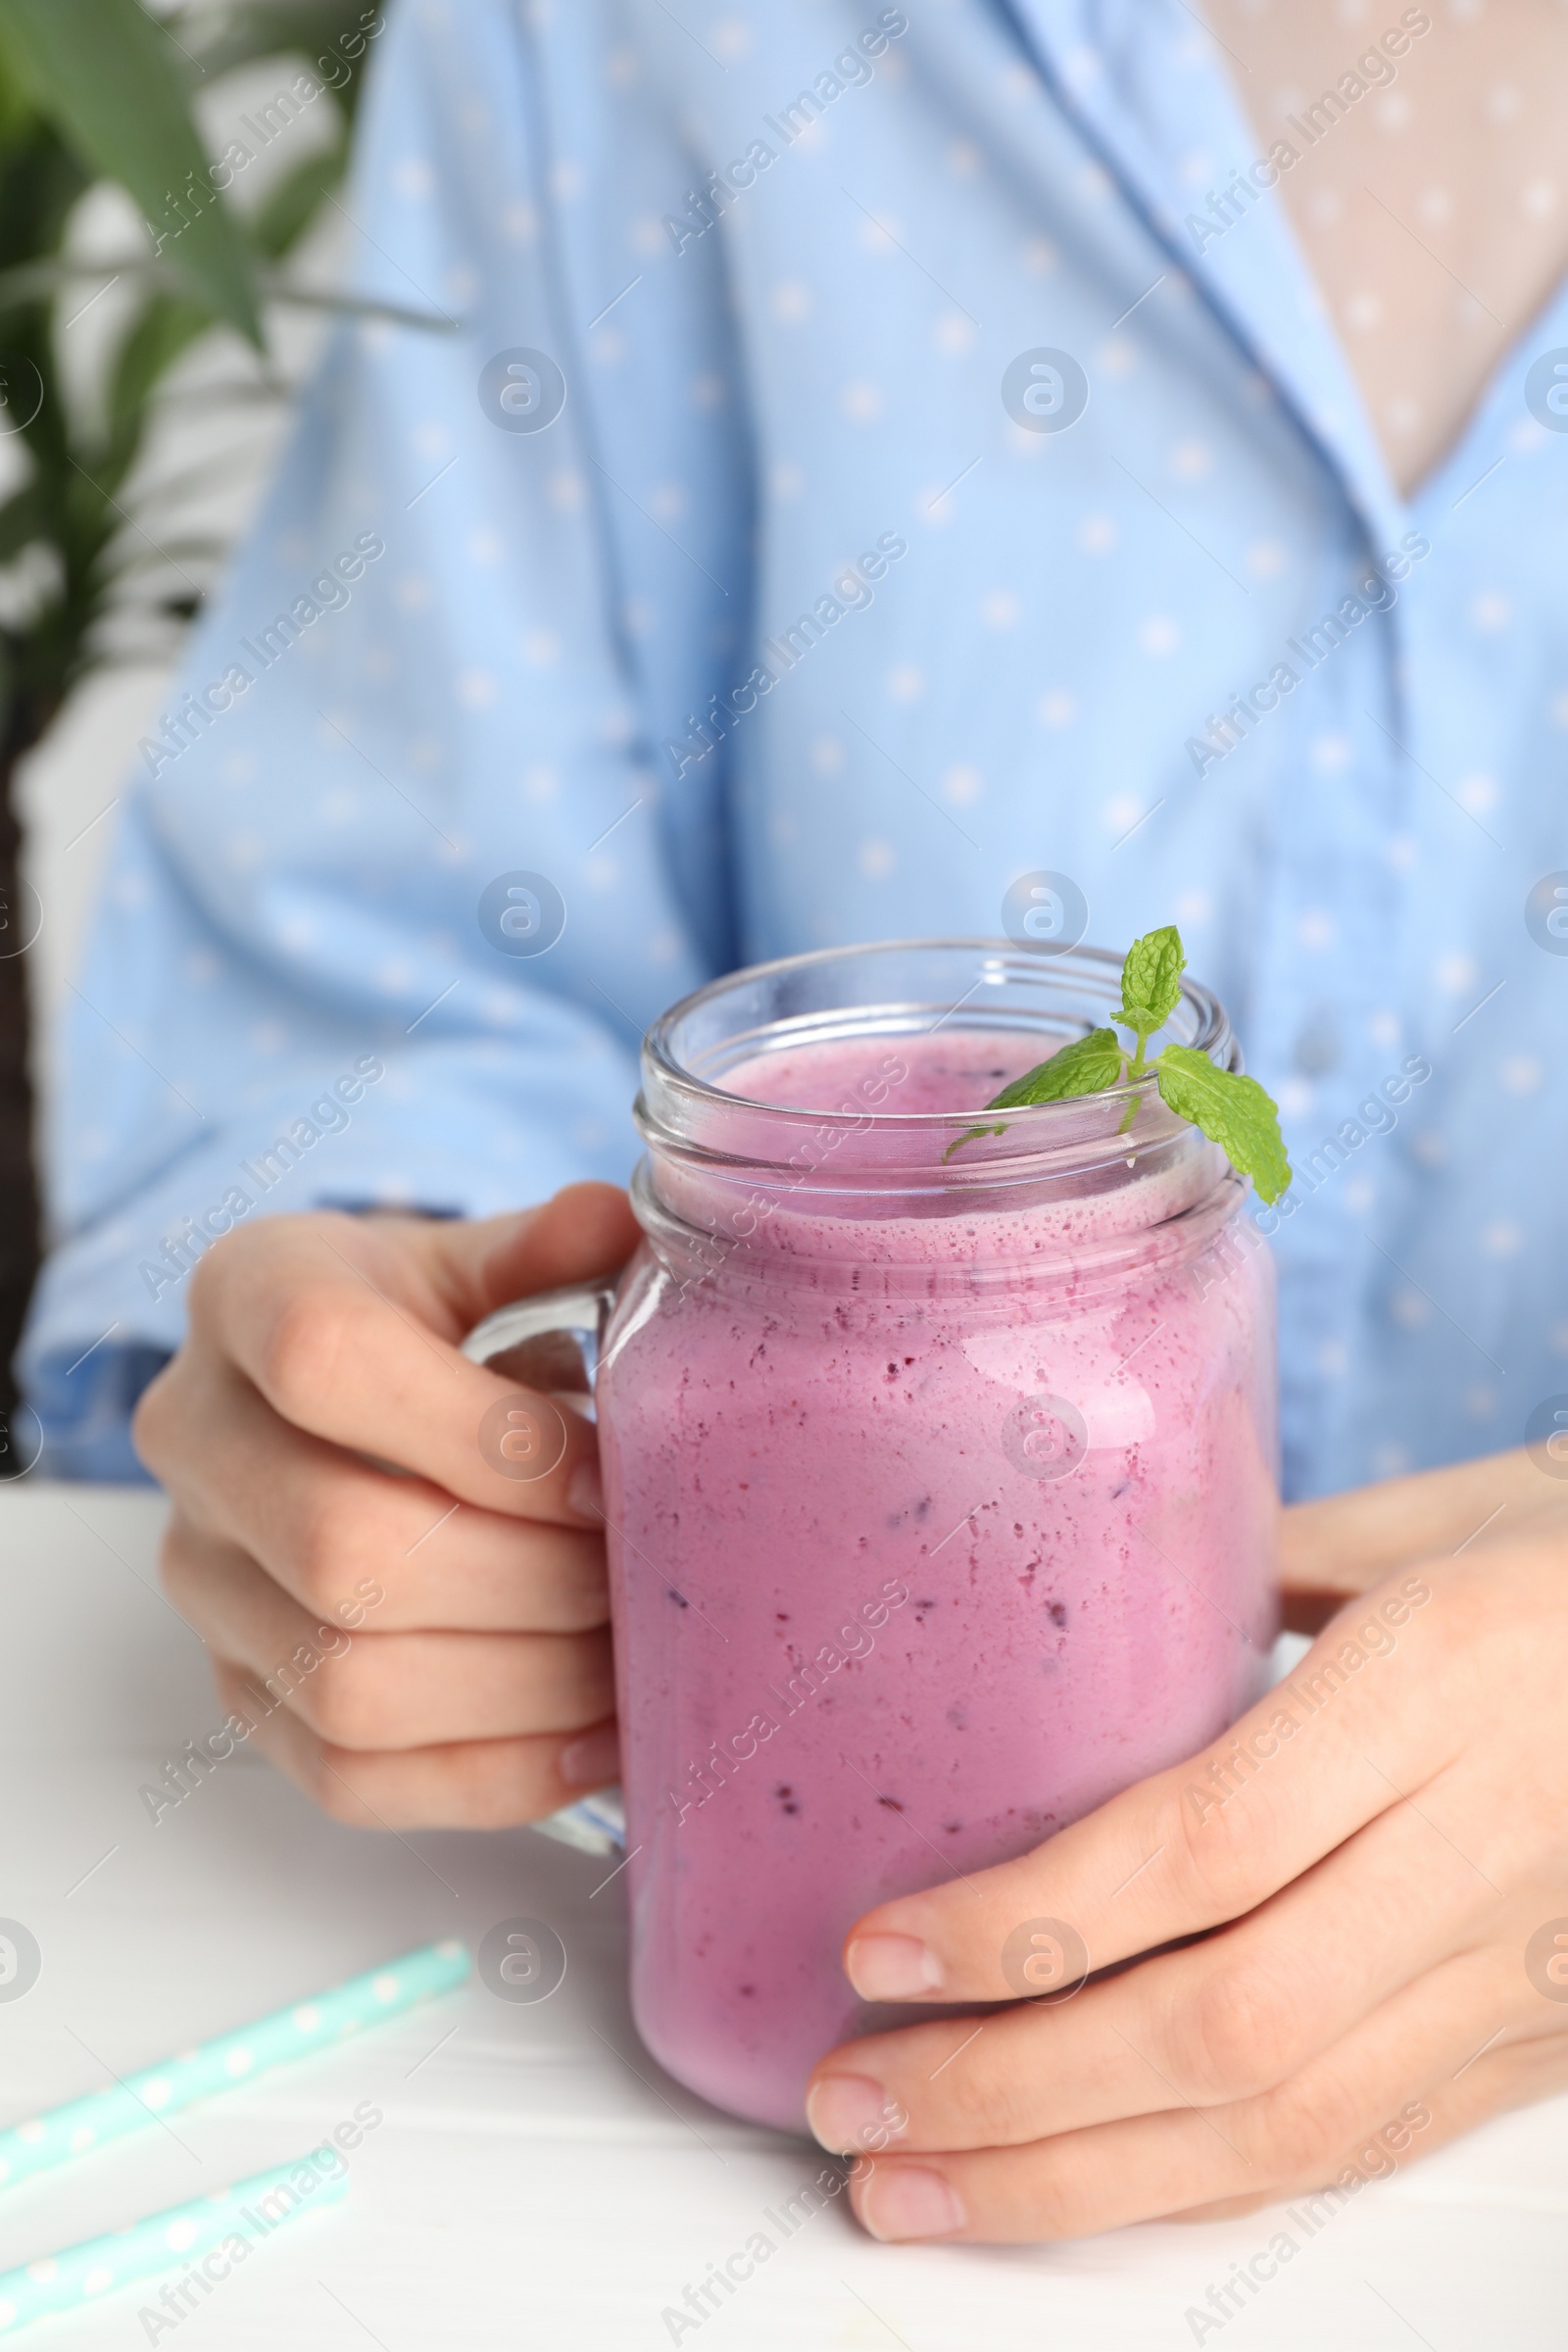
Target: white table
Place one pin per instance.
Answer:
(537, 2180)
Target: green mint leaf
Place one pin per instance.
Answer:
(1231, 1112)
(1085, 1067)
(1152, 981)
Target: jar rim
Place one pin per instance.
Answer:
(683, 1108)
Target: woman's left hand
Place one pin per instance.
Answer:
(1376, 1858)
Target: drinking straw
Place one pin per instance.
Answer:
(83, 2274)
(595, 1825)
(139, 2101)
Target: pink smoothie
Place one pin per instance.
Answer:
(932, 1532)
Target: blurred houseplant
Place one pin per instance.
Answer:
(94, 91)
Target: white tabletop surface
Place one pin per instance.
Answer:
(537, 2179)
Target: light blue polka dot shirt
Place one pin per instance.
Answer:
(871, 353)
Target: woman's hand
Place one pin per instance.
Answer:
(416, 1633)
(1339, 1545)
(1376, 1857)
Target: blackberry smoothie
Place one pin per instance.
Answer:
(943, 1504)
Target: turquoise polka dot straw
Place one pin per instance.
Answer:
(212, 2235)
(297, 2032)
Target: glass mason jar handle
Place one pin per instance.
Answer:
(581, 1310)
(596, 1824)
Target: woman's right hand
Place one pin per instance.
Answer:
(415, 1635)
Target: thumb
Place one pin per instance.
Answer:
(587, 1230)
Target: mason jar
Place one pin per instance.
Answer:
(940, 1463)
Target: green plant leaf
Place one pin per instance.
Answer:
(166, 329)
(335, 38)
(108, 76)
(1152, 980)
(297, 199)
(1085, 1067)
(25, 516)
(1233, 1112)
(41, 281)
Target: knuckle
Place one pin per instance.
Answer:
(342, 1701)
(326, 1546)
(486, 1785)
(332, 1793)
(1241, 2030)
(155, 1419)
(1066, 2198)
(985, 2105)
(236, 1269)
(1220, 1851)
(179, 1560)
(210, 1275)
(1307, 2123)
(307, 1340)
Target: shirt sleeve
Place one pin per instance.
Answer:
(402, 873)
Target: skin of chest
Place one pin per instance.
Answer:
(1432, 206)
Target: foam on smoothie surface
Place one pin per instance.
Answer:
(958, 1072)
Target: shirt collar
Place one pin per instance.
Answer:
(1149, 87)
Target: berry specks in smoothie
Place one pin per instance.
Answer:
(786, 1797)
(1057, 1611)
(679, 1598)
(891, 1803)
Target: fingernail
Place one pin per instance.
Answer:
(905, 2200)
(848, 2112)
(892, 1968)
(586, 1491)
(592, 1761)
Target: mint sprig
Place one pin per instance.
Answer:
(1085, 1067)
(1234, 1112)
